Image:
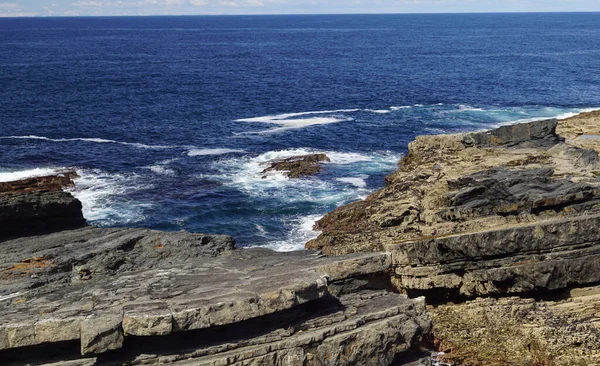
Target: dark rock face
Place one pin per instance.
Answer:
(37, 212)
(298, 166)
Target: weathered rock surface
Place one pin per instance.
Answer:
(504, 211)
(134, 296)
(521, 331)
(298, 166)
(513, 211)
(38, 205)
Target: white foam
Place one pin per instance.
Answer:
(285, 116)
(203, 152)
(105, 197)
(559, 116)
(89, 139)
(162, 170)
(466, 108)
(301, 232)
(288, 121)
(9, 176)
(378, 111)
(355, 181)
(401, 107)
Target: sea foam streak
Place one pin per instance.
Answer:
(289, 121)
(8, 176)
(89, 139)
(203, 152)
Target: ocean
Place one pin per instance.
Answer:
(169, 120)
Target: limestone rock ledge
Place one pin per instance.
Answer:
(133, 296)
(507, 211)
(499, 230)
(521, 331)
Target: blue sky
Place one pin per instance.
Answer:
(189, 7)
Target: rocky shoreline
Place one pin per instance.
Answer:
(481, 245)
(498, 230)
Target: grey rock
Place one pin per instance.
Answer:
(102, 286)
(533, 134)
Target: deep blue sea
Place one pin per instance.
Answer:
(168, 120)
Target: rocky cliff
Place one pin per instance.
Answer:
(512, 211)
(93, 296)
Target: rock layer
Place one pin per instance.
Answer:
(134, 296)
(504, 213)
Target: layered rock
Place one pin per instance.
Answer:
(504, 211)
(298, 166)
(39, 205)
(172, 298)
(499, 214)
(92, 296)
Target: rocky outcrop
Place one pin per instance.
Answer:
(481, 218)
(125, 296)
(298, 166)
(504, 211)
(92, 296)
(38, 205)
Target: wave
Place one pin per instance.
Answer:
(301, 232)
(106, 197)
(358, 182)
(290, 124)
(90, 139)
(8, 176)
(203, 152)
(379, 111)
(285, 116)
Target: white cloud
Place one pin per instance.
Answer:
(85, 4)
(199, 2)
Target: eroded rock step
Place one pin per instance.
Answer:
(370, 328)
(103, 289)
(545, 256)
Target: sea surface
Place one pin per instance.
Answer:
(169, 120)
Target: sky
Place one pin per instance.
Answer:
(214, 7)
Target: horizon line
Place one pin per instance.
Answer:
(298, 14)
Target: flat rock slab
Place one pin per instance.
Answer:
(367, 328)
(79, 299)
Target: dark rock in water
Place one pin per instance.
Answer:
(32, 213)
(298, 166)
(38, 205)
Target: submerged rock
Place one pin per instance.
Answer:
(298, 166)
